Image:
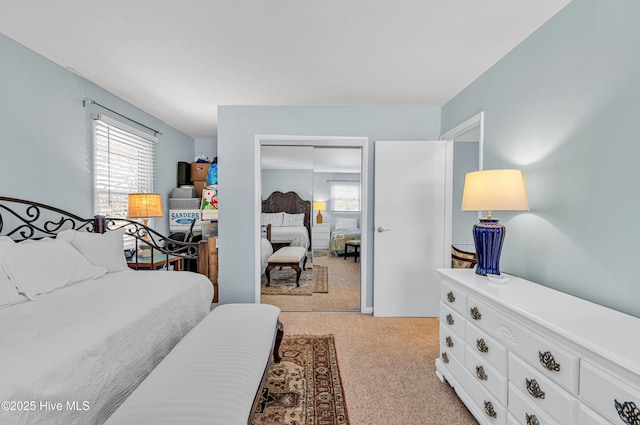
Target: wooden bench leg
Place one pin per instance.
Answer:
(267, 272)
(276, 348)
(298, 273)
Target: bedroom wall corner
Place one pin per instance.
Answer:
(46, 133)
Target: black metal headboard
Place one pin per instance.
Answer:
(21, 220)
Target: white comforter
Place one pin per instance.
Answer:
(73, 356)
(296, 235)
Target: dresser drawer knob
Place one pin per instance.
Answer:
(449, 342)
(450, 320)
(444, 357)
(531, 419)
(547, 360)
(481, 374)
(450, 297)
(534, 389)
(475, 314)
(488, 409)
(482, 346)
(628, 412)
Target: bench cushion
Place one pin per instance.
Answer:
(288, 254)
(211, 376)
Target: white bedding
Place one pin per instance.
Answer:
(93, 342)
(297, 235)
(266, 249)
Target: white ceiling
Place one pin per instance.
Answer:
(179, 60)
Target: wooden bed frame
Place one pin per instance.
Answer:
(22, 219)
(291, 203)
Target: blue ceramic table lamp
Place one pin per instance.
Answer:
(492, 190)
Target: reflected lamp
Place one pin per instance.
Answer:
(492, 190)
(319, 206)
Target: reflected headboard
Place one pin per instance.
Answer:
(290, 203)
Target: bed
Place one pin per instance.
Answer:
(290, 219)
(80, 329)
(344, 229)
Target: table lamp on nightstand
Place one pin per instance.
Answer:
(144, 206)
(319, 206)
(492, 190)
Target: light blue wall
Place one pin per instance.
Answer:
(564, 106)
(298, 181)
(206, 146)
(45, 133)
(237, 127)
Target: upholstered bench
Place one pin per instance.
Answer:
(288, 256)
(213, 374)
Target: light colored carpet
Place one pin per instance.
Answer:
(344, 289)
(387, 367)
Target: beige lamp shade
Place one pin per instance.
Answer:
(495, 190)
(145, 205)
(319, 206)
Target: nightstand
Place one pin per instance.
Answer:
(320, 235)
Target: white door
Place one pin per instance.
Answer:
(409, 196)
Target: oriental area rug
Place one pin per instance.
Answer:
(283, 282)
(305, 387)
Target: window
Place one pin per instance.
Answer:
(345, 196)
(124, 162)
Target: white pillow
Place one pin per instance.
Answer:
(104, 250)
(40, 267)
(346, 223)
(293, 220)
(8, 292)
(274, 219)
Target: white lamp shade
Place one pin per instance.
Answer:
(495, 190)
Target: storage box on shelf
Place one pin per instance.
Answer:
(520, 353)
(199, 171)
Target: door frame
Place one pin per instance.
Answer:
(450, 137)
(316, 141)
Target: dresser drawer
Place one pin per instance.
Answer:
(452, 320)
(608, 395)
(486, 407)
(541, 391)
(525, 412)
(451, 342)
(453, 298)
(487, 347)
(487, 375)
(587, 416)
(556, 363)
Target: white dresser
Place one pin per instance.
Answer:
(320, 235)
(520, 353)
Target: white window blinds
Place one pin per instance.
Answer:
(124, 162)
(345, 196)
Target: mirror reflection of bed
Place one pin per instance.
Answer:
(331, 281)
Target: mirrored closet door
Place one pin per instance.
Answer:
(311, 197)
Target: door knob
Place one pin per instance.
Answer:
(381, 229)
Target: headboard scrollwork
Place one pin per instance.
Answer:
(22, 220)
